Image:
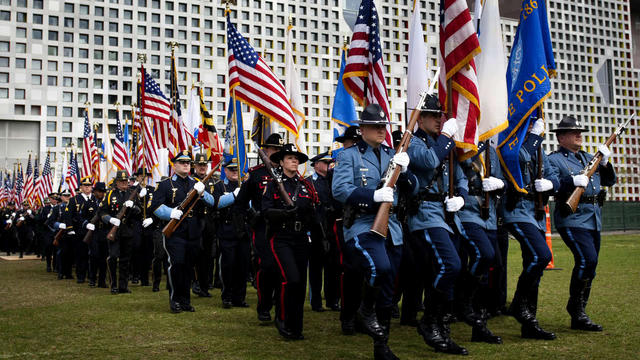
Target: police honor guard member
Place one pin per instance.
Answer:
(323, 257)
(357, 174)
(182, 247)
(437, 240)
(24, 224)
(121, 248)
(482, 238)
(143, 253)
(98, 247)
(249, 200)
(287, 228)
(46, 233)
(520, 219)
(234, 244)
(208, 246)
(64, 253)
(580, 230)
(77, 214)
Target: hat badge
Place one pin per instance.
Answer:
(358, 131)
(185, 152)
(293, 148)
(381, 114)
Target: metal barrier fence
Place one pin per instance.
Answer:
(616, 216)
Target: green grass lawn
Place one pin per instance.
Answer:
(43, 317)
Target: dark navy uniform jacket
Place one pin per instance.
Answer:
(79, 212)
(304, 198)
(113, 201)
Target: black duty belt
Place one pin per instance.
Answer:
(476, 192)
(431, 197)
(590, 199)
(295, 225)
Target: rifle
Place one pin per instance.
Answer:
(570, 206)
(94, 220)
(486, 204)
(58, 237)
(381, 222)
(111, 236)
(276, 177)
(540, 212)
(173, 224)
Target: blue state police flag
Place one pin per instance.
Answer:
(234, 139)
(343, 113)
(531, 65)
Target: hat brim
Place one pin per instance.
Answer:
(557, 130)
(276, 157)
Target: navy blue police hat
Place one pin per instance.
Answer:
(288, 149)
(352, 133)
(569, 123)
(373, 115)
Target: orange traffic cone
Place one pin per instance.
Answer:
(548, 237)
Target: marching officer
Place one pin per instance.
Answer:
(98, 247)
(159, 262)
(64, 253)
(9, 230)
(434, 222)
(234, 243)
(183, 245)
(287, 227)
(357, 174)
(480, 225)
(528, 228)
(144, 252)
(205, 260)
(121, 247)
(24, 225)
(580, 231)
(249, 201)
(46, 235)
(77, 215)
(323, 256)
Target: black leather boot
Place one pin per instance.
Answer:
(519, 308)
(480, 332)
(466, 311)
(381, 351)
(430, 331)
(366, 314)
(532, 330)
(578, 296)
(443, 322)
(384, 318)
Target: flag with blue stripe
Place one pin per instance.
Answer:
(531, 65)
(343, 113)
(234, 146)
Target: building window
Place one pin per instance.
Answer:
(36, 80)
(36, 110)
(51, 125)
(4, 93)
(20, 94)
(51, 111)
(51, 141)
(66, 126)
(52, 80)
(18, 109)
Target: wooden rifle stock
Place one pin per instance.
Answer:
(111, 236)
(486, 204)
(381, 222)
(191, 199)
(571, 205)
(58, 237)
(277, 178)
(94, 220)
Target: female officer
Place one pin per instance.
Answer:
(287, 228)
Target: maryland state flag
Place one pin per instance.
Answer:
(530, 66)
(208, 134)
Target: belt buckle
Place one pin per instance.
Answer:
(297, 226)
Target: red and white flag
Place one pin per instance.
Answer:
(120, 156)
(89, 151)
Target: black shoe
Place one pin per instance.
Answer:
(432, 335)
(80, 281)
(348, 327)
(48, 268)
(155, 288)
(227, 304)
(92, 283)
(60, 277)
(204, 294)
(534, 331)
(483, 334)
(453, 348)
(369, 323)
(187, 307)
(114, 291)
(264, 316)
(124, 291)
(102, 285)
(318, 309)
(175, 308)
(395, 311)
(381, 351)
(135, 280)
(283, 331)
(334, 307)
(242, 304)
(584, 324)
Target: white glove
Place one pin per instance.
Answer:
(29, 211)
(176, 213)
(450, 127)
(384, 194)
(62, 226)
(401, 159)
(538, 127)
(543, 185)
(199, 187)
(90, 226)
(236, 191)
(146, 222)
(128, 203)
(136, 183)
(492, 184)
(21, 218)
(114, 221)
(454, 204)
(580, 180)
(142, 193)
(13, 214)
(604, 150)
(9, 221)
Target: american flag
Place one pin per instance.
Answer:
(27, 192)
(150, 146)
(364, 76)
(35, 198)
(89, 151)
(4, 189)
(458, 45)
(254, 83)
(46, 180)
(120, 157)
(157, 107)
(72, 174)
(179, 129)
(18, 187)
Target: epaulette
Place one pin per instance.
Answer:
(385, 148)
(256, 167)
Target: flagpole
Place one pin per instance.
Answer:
(142, 58)
(234, 121)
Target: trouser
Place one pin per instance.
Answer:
(498, 274)
(205, 261)
(585, 247)
(98, 253)
(480, 249)
(440, 247)
(48, 249)
(267, 277)
(81, 252)
(321, 263)
(181, 256)
(350, 278)
(118, 261)
(411, 279)
(291, 256)
(159, 261)
(65, 255)
(234, 266)
(25, 237)
(535, 257)
(142, 256)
